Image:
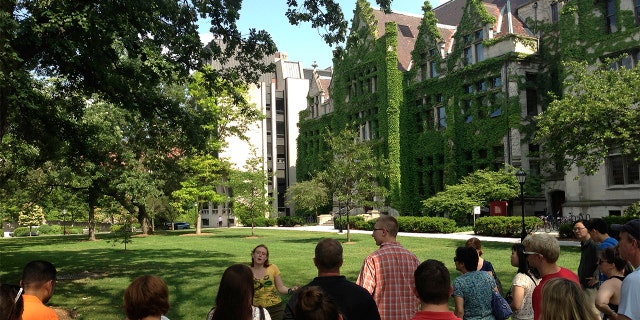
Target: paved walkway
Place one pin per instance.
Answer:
(456, 236)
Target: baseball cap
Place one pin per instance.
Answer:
(632, 227)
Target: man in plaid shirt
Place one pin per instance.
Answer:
(387, 273)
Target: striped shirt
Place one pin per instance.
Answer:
(387, 274)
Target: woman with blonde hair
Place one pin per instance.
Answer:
(563, 299)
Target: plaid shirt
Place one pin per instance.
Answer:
(387, 274)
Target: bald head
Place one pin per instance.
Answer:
(328, 255)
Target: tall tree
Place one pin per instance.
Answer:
(597, 115)
(249, 189)
(353, 175)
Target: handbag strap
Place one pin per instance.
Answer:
(261, 313)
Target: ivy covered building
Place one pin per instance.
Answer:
(456, 90)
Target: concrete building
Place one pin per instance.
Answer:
(280, 95)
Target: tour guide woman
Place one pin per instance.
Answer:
(267, 283)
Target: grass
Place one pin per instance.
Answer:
(192, 265)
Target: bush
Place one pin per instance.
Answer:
(262, 222)
(633, 210)
(353, 221)
(565, 230)
(505, 226)
(426, 224)
(289, 221)
(74, 230)
(115, 228)
(24, 232)
(47, 229)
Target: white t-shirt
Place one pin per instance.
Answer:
(524, 281)
(630, 295)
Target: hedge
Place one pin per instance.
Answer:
(506, 226)
(405, 224)
(47, 229)
(289, 221)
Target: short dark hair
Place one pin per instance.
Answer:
(469, 258)
(314, 304)
(598, 224)
(146, 296)
(433, 282)
(38, 272)
(328, 254)
(388, 223)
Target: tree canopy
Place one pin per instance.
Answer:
(597, 115)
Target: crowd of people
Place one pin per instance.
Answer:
(394, 285)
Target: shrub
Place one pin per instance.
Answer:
(289, 221)
(115, 228)
(633, 210)
(262, 222)
(24, 232)
(505, 226)
(353, 221)
(565, 230)
(74, 230)
(47, 229)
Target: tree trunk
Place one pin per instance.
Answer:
(143, 218)
(199, 220)
(92, 215)
(348, 229)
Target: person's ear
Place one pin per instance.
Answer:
(450, 290)
(315, 262)
(341, 262)
(340, 316)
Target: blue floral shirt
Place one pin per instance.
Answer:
(475, 288)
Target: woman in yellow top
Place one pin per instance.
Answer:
(267, 283)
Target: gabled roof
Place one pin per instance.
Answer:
(407, 33)
(450, 13)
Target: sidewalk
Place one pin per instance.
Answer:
(455, 236)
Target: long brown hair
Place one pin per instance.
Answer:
(235, 294)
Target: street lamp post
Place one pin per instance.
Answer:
(64, 221)
(522, 176)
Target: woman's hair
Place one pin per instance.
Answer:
(562, 299)
(612, 255)
(469, 258)
(146, 296)
(523, 264)
(266, 262)
(11, 303)
(474, 243)
(235, 294)
(314, 304)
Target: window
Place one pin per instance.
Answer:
(468, 55)
(623, 170)
(627, 61)
(468, 88)
(611, 16)
(374, 84)
(433, 72)
(423, 71)
(481, 86)
(497, 82)
(637, 11)
(554, 12)
(442, 117)
(478, 35)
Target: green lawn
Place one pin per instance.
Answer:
(192, 265)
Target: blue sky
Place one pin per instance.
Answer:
(302, 42)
